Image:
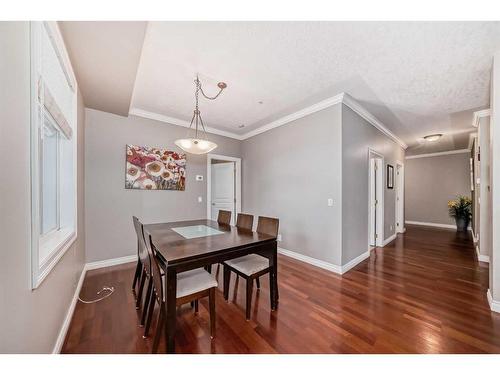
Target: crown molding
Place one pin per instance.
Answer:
(478, 115)
(453, 152)
(296, 115)
(337, 99)
(175, 121)
(360, 110)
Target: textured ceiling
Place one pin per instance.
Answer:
(417, 78)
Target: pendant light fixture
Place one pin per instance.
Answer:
(199, 144)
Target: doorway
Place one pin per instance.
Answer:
(375, 199)
(223, 186)
(400, 197)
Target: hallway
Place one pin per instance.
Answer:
(423, 293)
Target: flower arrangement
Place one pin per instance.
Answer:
(151, 168)
(460, 209)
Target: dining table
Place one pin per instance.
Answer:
(185, 245)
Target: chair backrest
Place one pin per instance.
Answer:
(224, 217)
(143, 252)
(268, 225)
(155, 268)
(244, 221)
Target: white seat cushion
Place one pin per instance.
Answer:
(249, 264)
(194, 281)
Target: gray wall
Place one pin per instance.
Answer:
(109, 229)
(29, 320)
(431, 182)
(357, 137)
(290, 172)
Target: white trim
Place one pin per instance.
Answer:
(437, 225)
(339, 98)
(69, 315)
(400, 188)
(481, 257)
(297, 115)
(474, 238)
(389, 239)
(478, 115)
(360, 110)
(237, 163)
(472, 136)
(325, 265)
(175, 121)
(494, 305)
(315, 262)
(110, 262)
(353, 263)
(453, 152)
(380, 196)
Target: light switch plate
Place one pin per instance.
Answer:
(279, 237)
(200, 199)
(199, 177)
(330, 202)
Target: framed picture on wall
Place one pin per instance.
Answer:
(390, 176)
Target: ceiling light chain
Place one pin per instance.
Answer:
(196, 145)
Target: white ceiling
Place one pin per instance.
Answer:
(417, 78)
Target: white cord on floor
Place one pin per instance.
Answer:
(109, 289)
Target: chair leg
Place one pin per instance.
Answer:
(249, 297)
(151, 308)
(196, 306)
(141, 288)
(211, 303)
(159, 329)
(137, 274)
(257, 281)
(227, 278)
(149, 295)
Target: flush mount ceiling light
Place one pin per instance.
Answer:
(199, 144)
(432, 137)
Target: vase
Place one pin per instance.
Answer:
(462, 224)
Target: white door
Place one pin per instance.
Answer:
(373, 204)
(399, 198)
(223, 186)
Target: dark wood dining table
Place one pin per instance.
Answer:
(178, 254)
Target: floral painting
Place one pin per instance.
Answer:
(151, 168)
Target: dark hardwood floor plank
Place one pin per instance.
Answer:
(423, 293)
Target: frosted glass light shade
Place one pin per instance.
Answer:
(196, 146)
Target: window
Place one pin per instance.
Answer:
(53, 150)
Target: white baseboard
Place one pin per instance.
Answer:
(325, 265)
(67, 320)
(346, 267)
(481, 257)
(437, 225)
(315, 262)
(69, 315)
(110, 262)
(389, 239)
(494, 305)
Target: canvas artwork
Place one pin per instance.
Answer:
(151, 168)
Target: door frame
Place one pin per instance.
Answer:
(400, 190)
(379, 196)
(237, 178)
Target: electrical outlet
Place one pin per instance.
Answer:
(392, 226)
(330, 202)
(279, 237)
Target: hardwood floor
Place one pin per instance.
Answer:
(423, 293)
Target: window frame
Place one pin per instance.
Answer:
(53, 245)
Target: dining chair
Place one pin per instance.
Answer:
(138, 268)
(244, 221)
(224, 217)
(143, 264)
(252, 266)
(191, 286)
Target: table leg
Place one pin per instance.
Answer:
(273, 275)
(170, 299)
